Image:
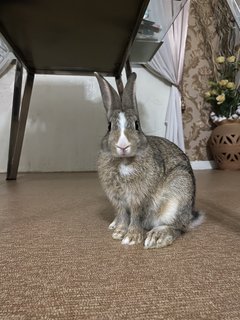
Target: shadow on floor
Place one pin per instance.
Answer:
(226, 218)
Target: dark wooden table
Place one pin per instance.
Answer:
(64, 37)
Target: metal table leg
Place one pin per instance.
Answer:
(118, 79)
(18, 122)
(15, 112)
(119, 84)
(128, 68)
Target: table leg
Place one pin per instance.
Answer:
(118, 79)
(119, 84)
(19, 119)
(128, 68)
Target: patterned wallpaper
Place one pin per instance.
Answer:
(209, 34)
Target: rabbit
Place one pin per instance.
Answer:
(148, 179)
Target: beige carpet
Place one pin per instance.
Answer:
(58, 260)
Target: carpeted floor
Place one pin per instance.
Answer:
(58, 260)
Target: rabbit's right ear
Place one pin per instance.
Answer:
(111, 99)
(129, 94)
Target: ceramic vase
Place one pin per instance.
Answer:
(225, 145)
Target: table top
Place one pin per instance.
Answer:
(71, 37)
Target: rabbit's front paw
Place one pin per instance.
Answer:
(119, 232)
(113, 225)
(133, 236)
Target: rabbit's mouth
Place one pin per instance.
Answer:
(123, 151)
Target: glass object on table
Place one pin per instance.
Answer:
(6, 56)
(157, 20)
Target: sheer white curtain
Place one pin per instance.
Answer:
(168, 64)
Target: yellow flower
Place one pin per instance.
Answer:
(221, 98)
(214, 92)
(231, 85)
(207, 94)
(223, 82)
(220, 59)
(231, 59)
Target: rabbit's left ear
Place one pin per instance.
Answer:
(111, 99)
(129, 94)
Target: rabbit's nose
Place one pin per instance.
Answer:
(123, 148)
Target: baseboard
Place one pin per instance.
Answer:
(203, 165)
(196, 165)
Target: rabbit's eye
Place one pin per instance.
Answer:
(136, 125)
(109, 126)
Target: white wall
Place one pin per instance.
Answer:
(67, 120)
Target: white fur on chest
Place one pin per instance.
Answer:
(126, 170)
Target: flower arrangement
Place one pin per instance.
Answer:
(224, 93)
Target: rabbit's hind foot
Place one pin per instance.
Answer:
(160, 237)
